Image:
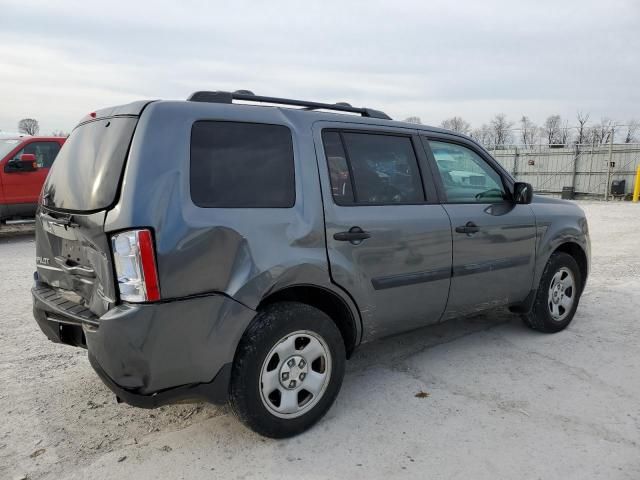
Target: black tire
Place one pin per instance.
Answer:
(540, 317)
(270, 325)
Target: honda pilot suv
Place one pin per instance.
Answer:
(210, 249)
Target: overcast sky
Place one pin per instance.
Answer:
(61, 60)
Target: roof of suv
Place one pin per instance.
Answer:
(312, 110)
(301, 110)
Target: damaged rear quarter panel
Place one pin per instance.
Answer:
(244, 253)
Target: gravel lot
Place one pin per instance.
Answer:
(503, 401)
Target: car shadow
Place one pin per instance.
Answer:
(15, 233)
(397, 348)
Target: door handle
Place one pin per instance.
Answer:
(355, 234)
(470, 228)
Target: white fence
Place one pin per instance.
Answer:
(588, 169)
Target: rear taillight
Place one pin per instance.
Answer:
(135, 262)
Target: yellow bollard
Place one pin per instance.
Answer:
(636, 188)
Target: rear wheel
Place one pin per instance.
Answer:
(557, 296)
(288, 369)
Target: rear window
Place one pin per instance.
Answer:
(236, 164)
(86, 172)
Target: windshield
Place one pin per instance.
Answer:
(7, 145)
(86, 173)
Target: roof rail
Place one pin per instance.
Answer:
(229, 97)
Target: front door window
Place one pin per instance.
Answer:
(45, 152)
(466, 177)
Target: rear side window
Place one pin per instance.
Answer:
(236, 164)
(372, 169)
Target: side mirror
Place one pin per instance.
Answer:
(522, 193)
(27, 163)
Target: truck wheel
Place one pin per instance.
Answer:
(288, 369)
(558, 295)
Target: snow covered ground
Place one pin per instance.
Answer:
(503, 401)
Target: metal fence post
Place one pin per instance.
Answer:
(606, 187)
(575, 169)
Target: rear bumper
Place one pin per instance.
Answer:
(216, 391)
(152, 354)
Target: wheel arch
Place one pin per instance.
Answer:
(345, 316)
(568, 246)
(579, 255)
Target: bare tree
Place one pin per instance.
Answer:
(583, 118)
(59, 133)
(604, 130)
(632, 132)
(28, 126)
(591, 135)
(528, 131)
(457, 124)
(552, 130)
(501, 130)
(565, 133)
(413, 120)
(601, 132)
(483, 135)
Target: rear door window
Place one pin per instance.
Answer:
(372, 169)
(341, 178)
(241, 165)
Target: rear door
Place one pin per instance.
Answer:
(388, 240)
(24, 187)
(493, 238)
(72, 249)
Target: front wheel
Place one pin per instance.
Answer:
(288, 369)
(558, 295)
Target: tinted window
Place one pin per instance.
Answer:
(372, 169)
(341, 186)
(45, 152)
(236, 164)
(467, 177)
(86, 173)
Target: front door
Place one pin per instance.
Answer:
(493, 238)
(24, 187)
(388, 239)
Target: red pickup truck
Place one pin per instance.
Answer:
(24, 165)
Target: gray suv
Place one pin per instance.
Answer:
(210, 249)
